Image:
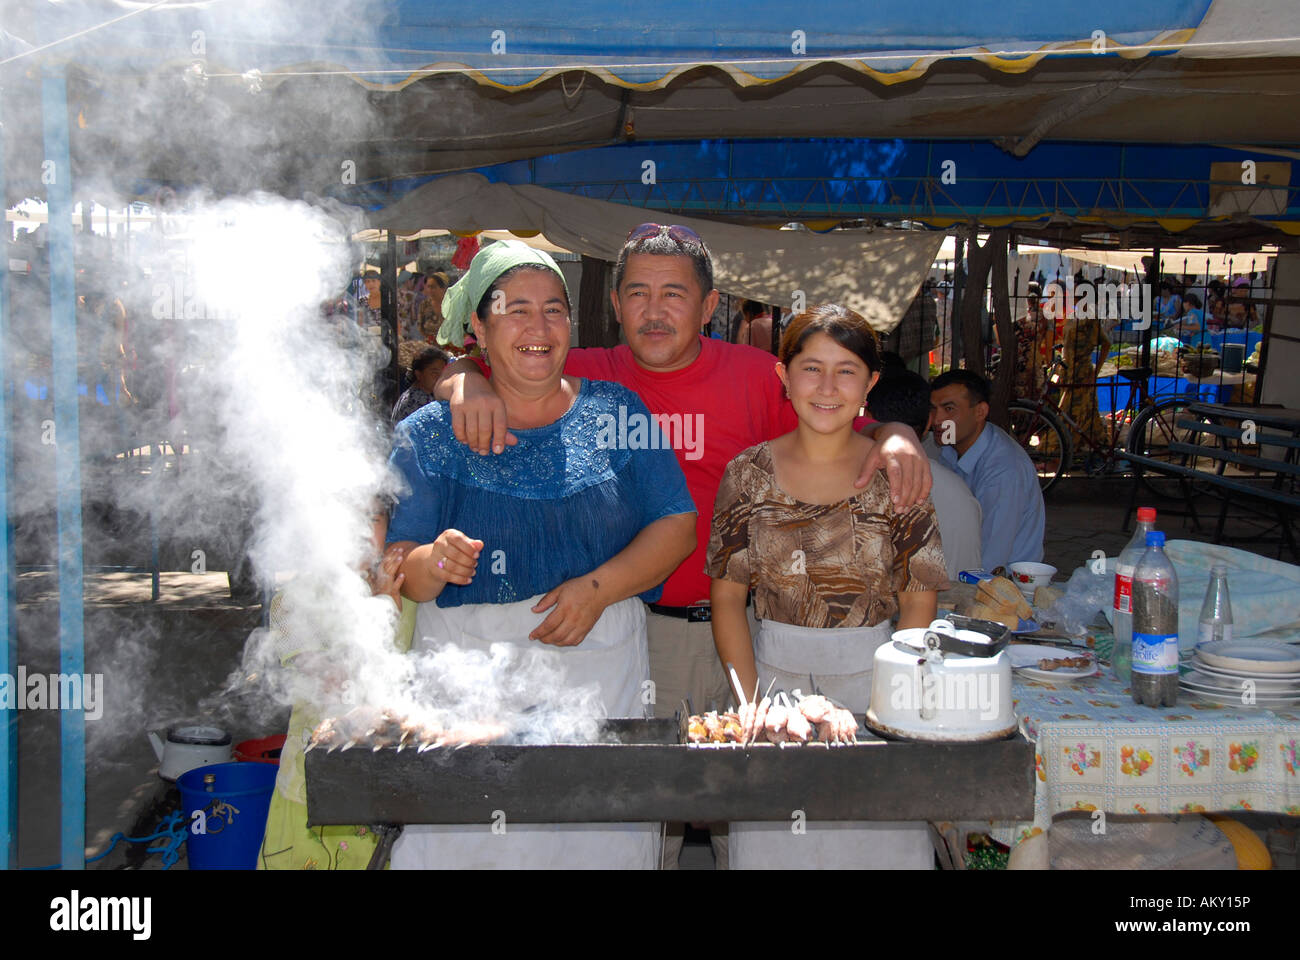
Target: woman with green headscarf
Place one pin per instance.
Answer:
(571, 524)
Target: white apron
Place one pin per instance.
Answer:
(841, 660)
(613, 656)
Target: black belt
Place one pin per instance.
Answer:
(696, 613)
(700, 613)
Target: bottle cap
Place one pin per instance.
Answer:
(1219, 570)
(1155, 538)
(1146, 514)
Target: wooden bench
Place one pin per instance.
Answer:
(1200, 467)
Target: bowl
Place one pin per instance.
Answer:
(1030, 576)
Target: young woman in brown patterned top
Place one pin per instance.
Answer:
(829, 566)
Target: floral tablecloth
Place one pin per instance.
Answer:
(1098, 750)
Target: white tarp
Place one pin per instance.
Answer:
(1246, 28)
(875, 273)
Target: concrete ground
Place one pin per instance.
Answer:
(163, 660)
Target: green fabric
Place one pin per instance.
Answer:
(489, 263)
(289, 844)
(406, 626)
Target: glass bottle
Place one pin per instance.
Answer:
(1216, 611)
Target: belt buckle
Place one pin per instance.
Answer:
(700, 613)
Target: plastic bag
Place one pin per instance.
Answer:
(1145, 843)
(1086, 594)
(1265, 593)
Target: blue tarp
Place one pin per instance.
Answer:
(633, 44)
(898, 178)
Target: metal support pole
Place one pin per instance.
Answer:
(8, 594)
(67, 458)
(388, 303)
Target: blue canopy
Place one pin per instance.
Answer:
(634, 45)
(937, 181)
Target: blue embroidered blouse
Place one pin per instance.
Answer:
(565, 499)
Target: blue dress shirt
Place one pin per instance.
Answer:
(1004, 481)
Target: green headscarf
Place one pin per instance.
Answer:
(489, 263)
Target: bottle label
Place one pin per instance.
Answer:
(1155, 653)
(1124, 592)
(1214, 631)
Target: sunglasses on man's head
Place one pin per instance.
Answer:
(676, 232)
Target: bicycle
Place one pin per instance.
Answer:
(1045, 431)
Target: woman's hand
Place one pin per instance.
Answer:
(578, 604)
(898, 450)
(453, 557)
(648, 560)
(428, 567)
(917, 608)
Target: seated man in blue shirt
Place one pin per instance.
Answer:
(994, 466)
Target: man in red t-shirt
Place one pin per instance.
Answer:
(718, 398)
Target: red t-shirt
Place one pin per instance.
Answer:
(729, 400)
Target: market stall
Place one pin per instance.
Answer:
(344, 108)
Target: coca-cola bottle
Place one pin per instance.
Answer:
(1122, 613)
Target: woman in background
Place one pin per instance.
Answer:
(426, 368)
(430, 306)
(829, 566)
(1082, 338)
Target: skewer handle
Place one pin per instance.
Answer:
(735, 685)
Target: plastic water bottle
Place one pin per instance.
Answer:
(1216, 611)
(1122, 616)
(1155, 627)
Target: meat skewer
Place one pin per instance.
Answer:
(713, 727)
(797, 727)
(735, 685)
(816, 708)
(774, 727)
(848, 727)
(414, 730)
(325, 735)
(761, 711)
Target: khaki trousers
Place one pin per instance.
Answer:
(684, 663)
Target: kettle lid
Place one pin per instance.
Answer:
(199, 735)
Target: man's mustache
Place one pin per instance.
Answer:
(655, 328)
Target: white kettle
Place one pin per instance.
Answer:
(189, 747)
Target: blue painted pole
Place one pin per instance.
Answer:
(8, 594)
(57, 173)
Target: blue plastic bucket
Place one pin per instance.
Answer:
(224, 825)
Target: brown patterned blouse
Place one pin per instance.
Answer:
(820, 565)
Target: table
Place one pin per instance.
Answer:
(1220, 379)
(1162, 387)
(1097, 750)
(1280, 418)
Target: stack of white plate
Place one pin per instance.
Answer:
(1235, 672)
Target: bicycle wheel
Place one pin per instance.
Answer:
(1153, 429)
(1040, 433)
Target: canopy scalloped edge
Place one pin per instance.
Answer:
(1167, 42)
